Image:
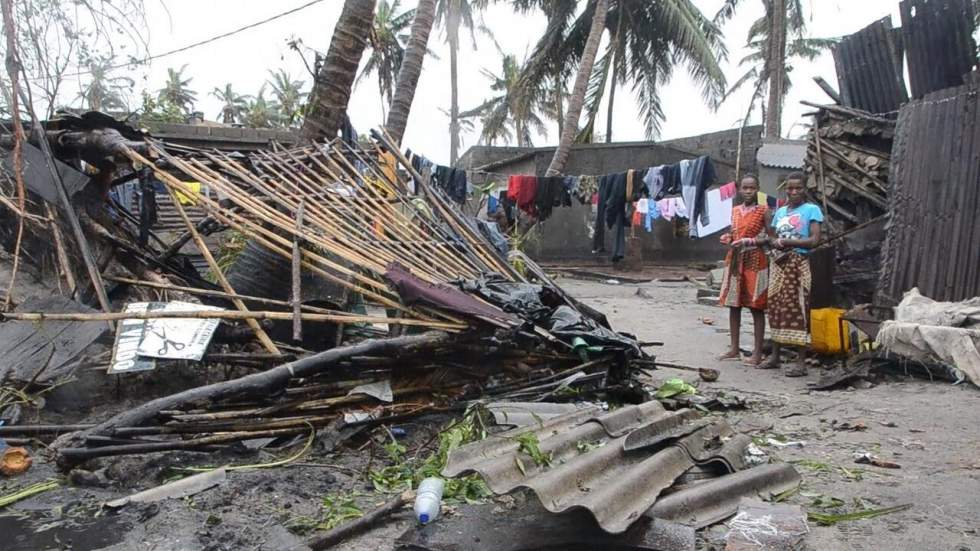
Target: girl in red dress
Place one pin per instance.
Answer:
(746, 277)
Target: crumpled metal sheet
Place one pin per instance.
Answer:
(589, 468)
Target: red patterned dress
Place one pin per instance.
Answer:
(746, 277)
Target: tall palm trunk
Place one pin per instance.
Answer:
(411, 69)
(332, 85)
(577, 99)
(453, 30)
(777, 68)
(612, 84)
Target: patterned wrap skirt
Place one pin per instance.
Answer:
(789, 299)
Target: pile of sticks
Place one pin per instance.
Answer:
(847, 162)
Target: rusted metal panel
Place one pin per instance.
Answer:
(590, 467)
(938, 35)
(932, 237)
(869, 69)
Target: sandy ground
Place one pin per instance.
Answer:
(934, 437)
(929, 428)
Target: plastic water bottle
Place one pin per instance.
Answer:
(428, 498)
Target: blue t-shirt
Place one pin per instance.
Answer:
(794, 223)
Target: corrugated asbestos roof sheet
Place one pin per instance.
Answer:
(590, 466)
(782, 155)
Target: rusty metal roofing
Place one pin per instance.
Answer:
(932, 234)
(869, 69)
(589, 467)
(938, 37)
(787, 154)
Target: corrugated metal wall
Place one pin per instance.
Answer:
(933, 238)
(938, 35)
(869, 69)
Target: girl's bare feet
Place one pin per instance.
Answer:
(754, 361)
(730, 355)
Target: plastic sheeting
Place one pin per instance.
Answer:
(927, 330)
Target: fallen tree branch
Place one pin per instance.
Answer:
(344, 531)
(264, 383)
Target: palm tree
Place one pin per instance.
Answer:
(757, 73)
(768, 40)
(332, 84)
(176, 91)
(233, 105)
(451, 14)
(510, 113)
(647, 40)
(104, 92)
(262, 113)
(577, 98)
(387, 51)
(411, 69)
(289, 95)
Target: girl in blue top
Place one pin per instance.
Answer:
(795, 230)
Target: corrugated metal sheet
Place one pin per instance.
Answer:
(938, 35)
(782, 155)
(524, 414)
(869, 69)
(933, 238)
(589, 467)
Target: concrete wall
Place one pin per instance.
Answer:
(565, 236)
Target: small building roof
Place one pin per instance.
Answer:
(784, 154)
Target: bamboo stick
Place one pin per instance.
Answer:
(222, 314)
(296, 267)
(220, 276)
(60, 253)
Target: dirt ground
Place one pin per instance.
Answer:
(929, 428)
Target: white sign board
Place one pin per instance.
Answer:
(178, 338)
(125, 356)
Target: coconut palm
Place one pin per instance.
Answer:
(411, 69)
(233, 104)
(451, 14)
(647, 40)
(176, 91)
(591, 47)
(771, 52)
(756, 73)
(262, 113)
(510, 113)
(289, 96)
(387, 35)
(104, 92)
(335, 76)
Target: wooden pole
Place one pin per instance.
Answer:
(344, 531)
(246, 315)
(297, 261)
(823, 181)
(60, 253)
(220, 276)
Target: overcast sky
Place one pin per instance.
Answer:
(245, 59)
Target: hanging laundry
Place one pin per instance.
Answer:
(728, 190)
(522, 190)
(550, 193)
(719, 213)
(492, 205)
(671, 175)
(696, 176)
(653, 180)
(768, 200)
(452, 181)
(611, 213)
(588, 186)
(652, 213)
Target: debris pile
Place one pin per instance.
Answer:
(847, 164)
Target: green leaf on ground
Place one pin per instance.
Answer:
(674, 387)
